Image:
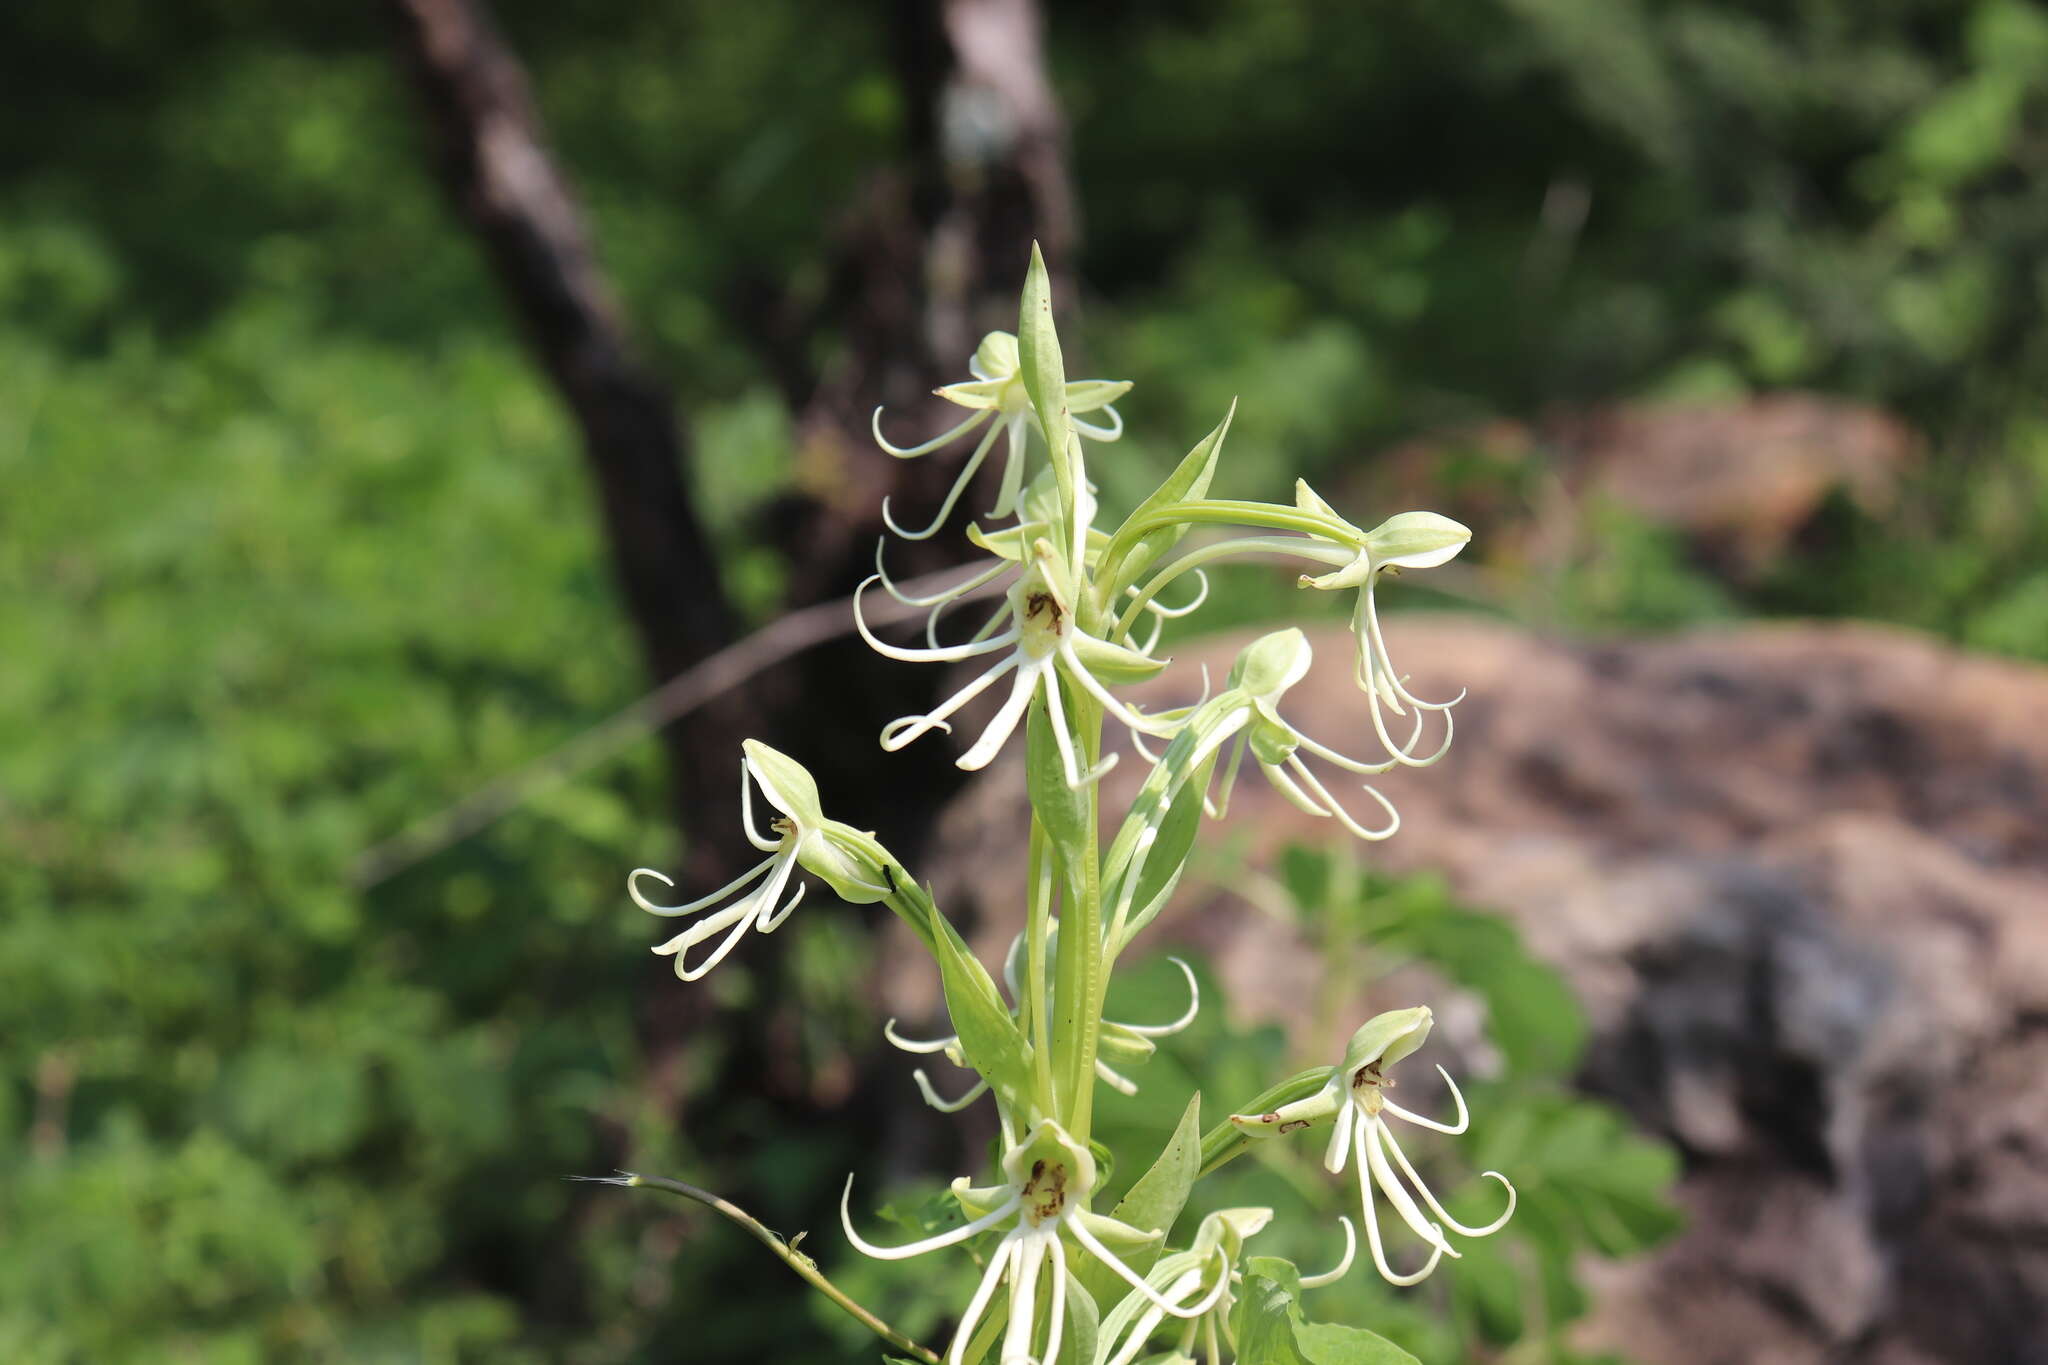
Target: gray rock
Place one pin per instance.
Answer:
(1799, 875)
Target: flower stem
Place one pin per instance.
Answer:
(789, 1255)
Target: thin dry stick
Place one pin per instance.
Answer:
(674, 699)
(785, 1250)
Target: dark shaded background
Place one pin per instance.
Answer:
(300, 547)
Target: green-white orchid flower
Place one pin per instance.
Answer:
(1412, 540)
(1248, 709)
(844, 858)
(1354, 1099)
(1049, 1178)
(1042, 642)
(1128, 1043)
(1204, 1272)
(997, 392)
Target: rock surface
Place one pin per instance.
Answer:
(1738, 480)
(1799, 875)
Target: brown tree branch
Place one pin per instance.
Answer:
(498, 171)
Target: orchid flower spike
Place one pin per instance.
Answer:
(1041, 642)
(1354, 1100)
(1048, 1179)
(1412, 540)
(1264, 671)
(997, 392)
(850, 862)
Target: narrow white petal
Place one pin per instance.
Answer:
(913, 1044)
(1339, 1149)
(772, 919)
(966, 476)
(1397, 1193)
(943, 595)
(944, 438)
(743, 916)
(920, 656)
(1131, 1277)
(1464, 1117)
(1115, 1080)
(1100, 433)
(1056, 713)
(1058, 1256)
(1372, 1226)
(1387, 1137)
(1158, 608)
(983, 1292)
(950, 1237)
(931, 1096)
(1005, 722)
(1344, 817)
(1288, 788)
(1350, 1251)
(1013, 468)
(1029, 1260)
(670, 911)
(1194, 1007)
(1079, 673)
(905, 729)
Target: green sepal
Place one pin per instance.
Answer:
(1190, 479)
(1387, 1038)
(1044, 374)
(786, 782)
(1114, 664)
(1121, 1047)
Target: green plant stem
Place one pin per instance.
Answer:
(803, 1265)
(1078, 986)
(1041, 872)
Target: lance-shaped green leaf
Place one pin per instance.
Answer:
(1084, 1325)
(1131, 553)
(1045, 375)
(1271, 1329)
(1155, 1201)
(989, 1036)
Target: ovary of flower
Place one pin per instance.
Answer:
(800, 835)
(1041, 641)
(1356, 1096)
(1049, 1178)
(1134, 1035)
(997, 392)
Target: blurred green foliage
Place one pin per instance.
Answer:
(1589, 1184)
(296, 551)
